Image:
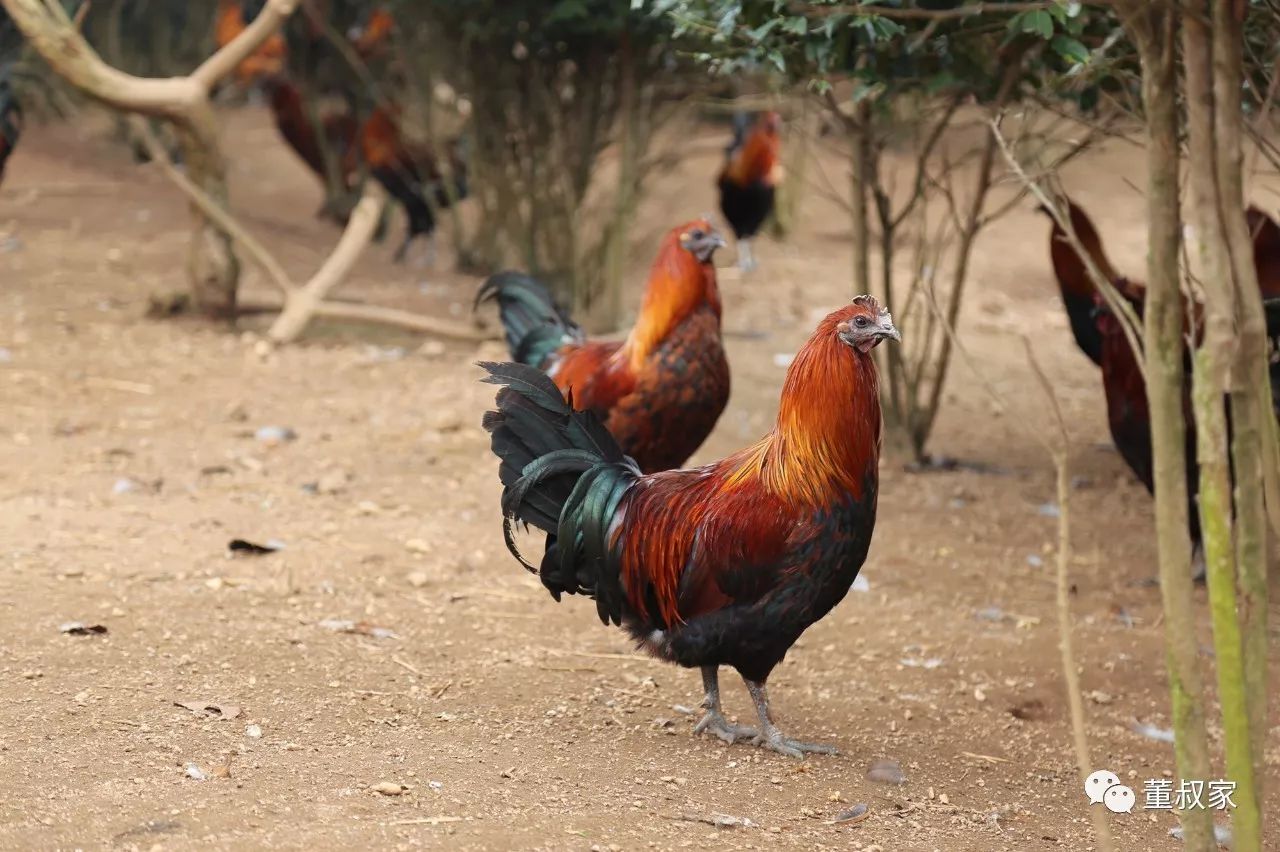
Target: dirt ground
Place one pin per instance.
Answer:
(128, 461)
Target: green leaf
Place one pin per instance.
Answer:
(796, 25)
(1039, 22)
(1070, 49)
(758, 34)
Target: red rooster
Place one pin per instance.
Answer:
(748, 180)
(722, 565)
(1078, 292)
(265, 62)
(1128, 415)
(1074, 282)
(411, 174)
(661, 390)
(371, 40)
(296, 128)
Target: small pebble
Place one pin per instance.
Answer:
(275, 434)
(855, 814)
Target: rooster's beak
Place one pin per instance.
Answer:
(890, 331)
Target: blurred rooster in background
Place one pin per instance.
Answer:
(660, 391)
(1074, 282)
(265, 62)
(340, 131)
(748, 180)
(373, 38)
(1128, 415)
(1079, 294)
(412, 175)
(722, 565)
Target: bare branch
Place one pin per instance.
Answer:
(240, 48)
(962, 11)
(54, 36)
(300, 305)
(1118, 304)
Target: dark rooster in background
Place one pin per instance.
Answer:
(1074, 282)
(660, 391)
(412, 175)
(340, 131)
(1079, 294)
(748, 180)
(722, 565)
(1128, 415)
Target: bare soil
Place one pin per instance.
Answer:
(128, 461)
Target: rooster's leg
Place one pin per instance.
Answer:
(772, 738)
(714, 721)
(746, 261)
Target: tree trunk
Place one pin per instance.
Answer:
(212, 266)
(1155, 31)
(1204, 73)
(609, 302)
(1250, 387)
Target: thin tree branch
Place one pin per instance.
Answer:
(965, 10)
(211, 209)
(240, 48)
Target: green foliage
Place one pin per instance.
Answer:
(550, 84)
(1063, 48)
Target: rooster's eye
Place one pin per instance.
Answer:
(697, 234)
(860, 322)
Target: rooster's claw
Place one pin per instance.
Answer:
(790, 747)
(714, 723)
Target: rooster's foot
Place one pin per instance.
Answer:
(772, 738)
(716, 724)
(791, 748)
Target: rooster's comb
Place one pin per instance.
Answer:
(870, 303)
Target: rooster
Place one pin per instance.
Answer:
(411, 174)
(1129, 417)
(1076, 285)
(340, 136)
(722, 565)
(748, 180)
(1074, 282)
(265, 62)
(370, 41)
(661, 390)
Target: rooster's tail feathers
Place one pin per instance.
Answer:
(534, 325)
(565, 474)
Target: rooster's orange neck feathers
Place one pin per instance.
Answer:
(757, 160)
(827, 436)
(678, 285)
